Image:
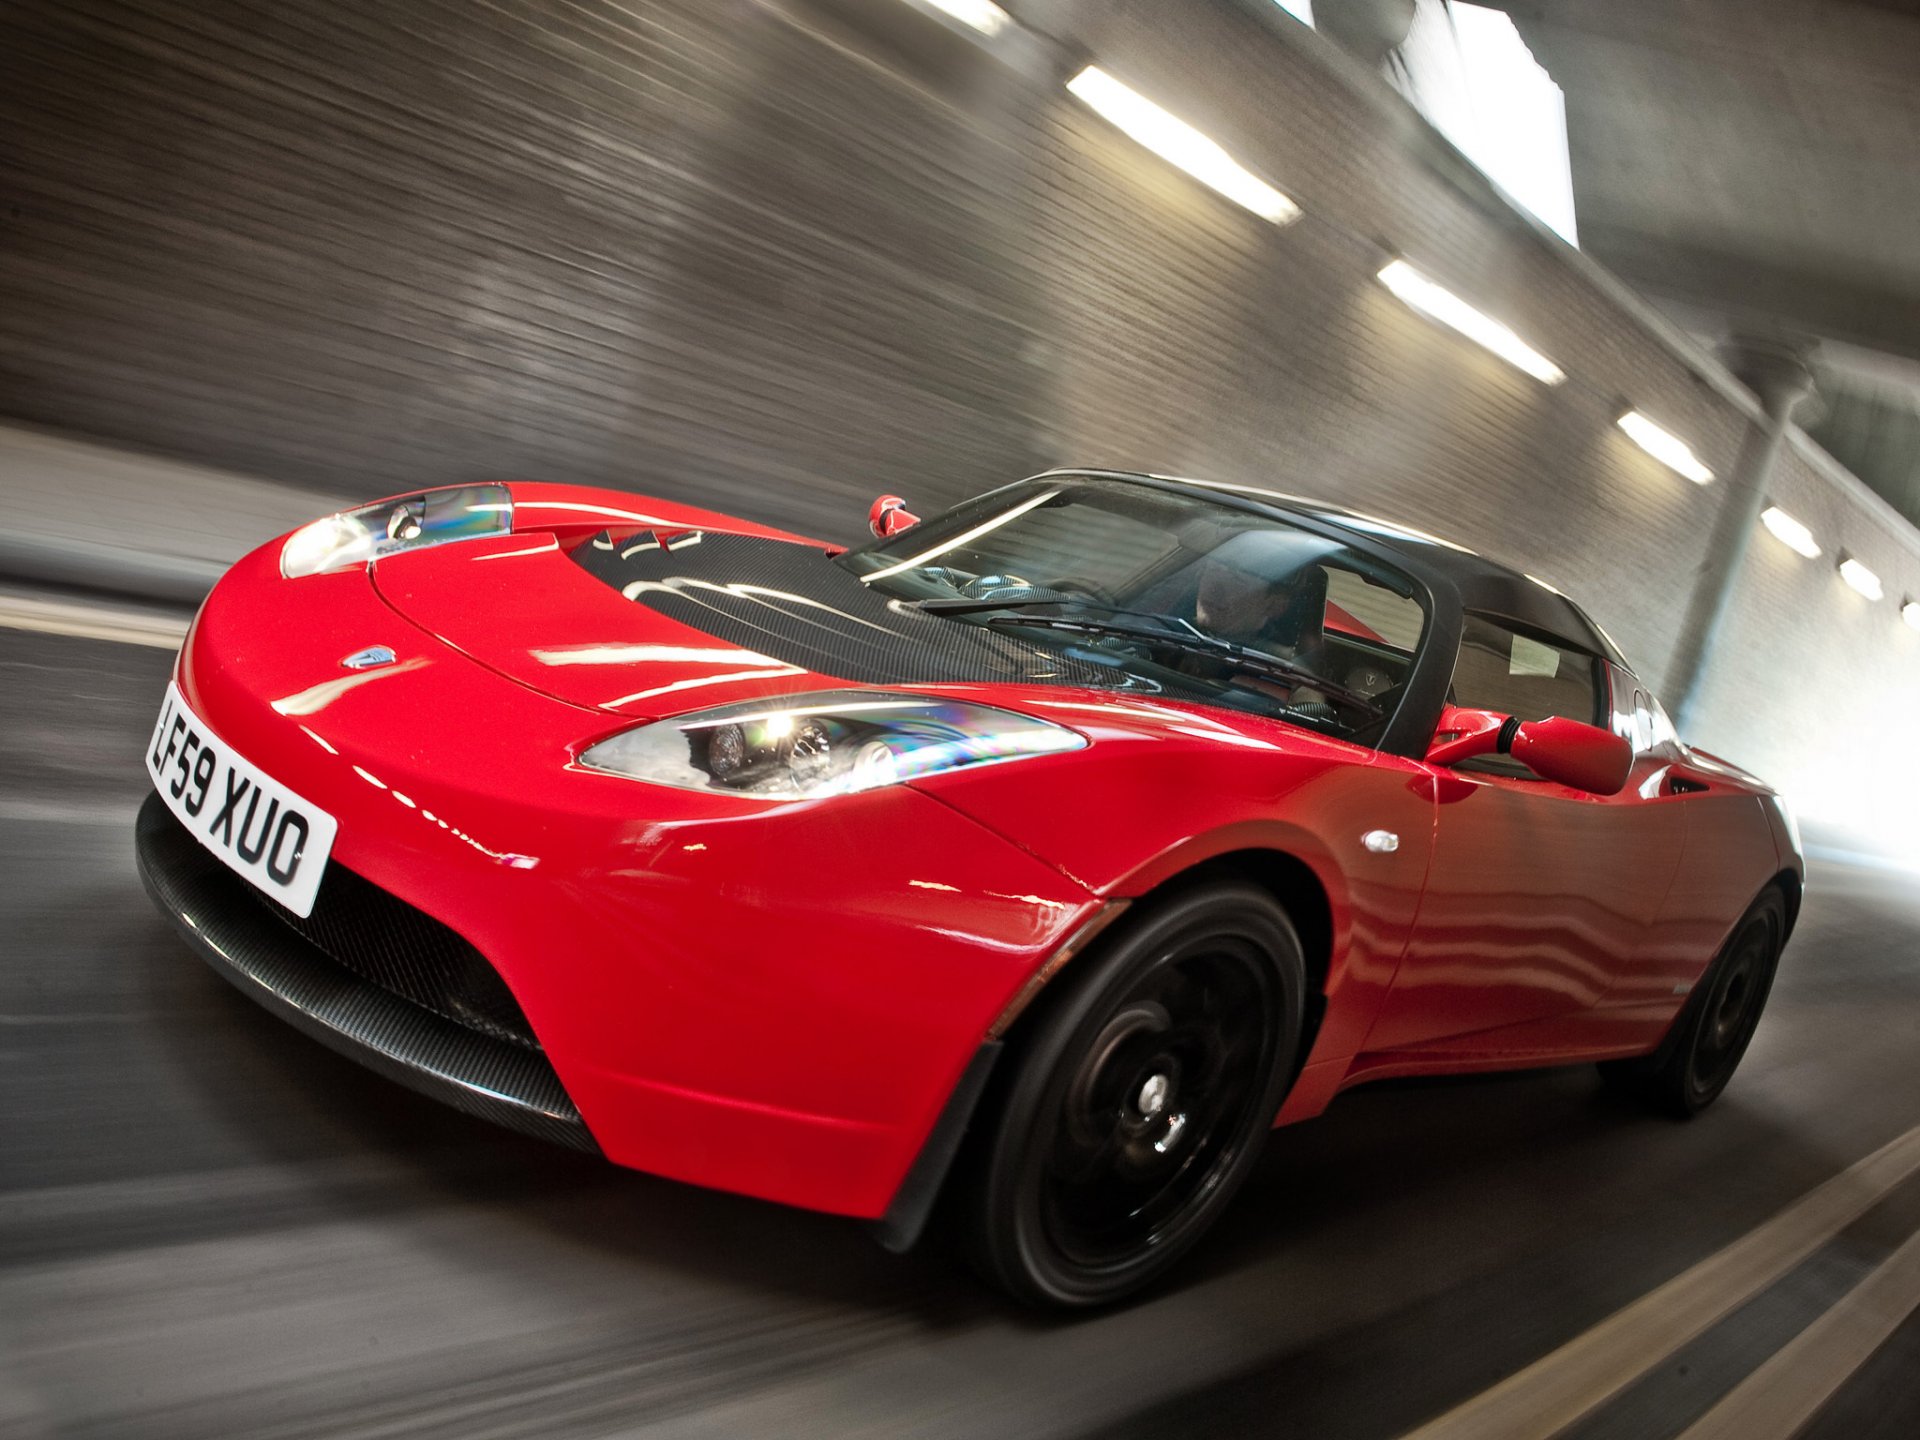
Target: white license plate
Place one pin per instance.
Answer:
(264, 832)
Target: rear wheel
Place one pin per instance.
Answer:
(1138, 1099)
(1712, 1032)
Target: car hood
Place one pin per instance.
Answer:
(659, 624)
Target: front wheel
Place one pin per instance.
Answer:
(1138, 1100)
(1712, 1031)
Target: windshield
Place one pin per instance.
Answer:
(1191, 596)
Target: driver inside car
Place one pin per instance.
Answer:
(1257, 590)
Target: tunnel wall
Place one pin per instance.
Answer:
(1815, 687)
(780, 255)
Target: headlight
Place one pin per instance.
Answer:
(803, 747)
(432, 517)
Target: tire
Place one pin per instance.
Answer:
(1138, 1099)
(1711, 1033)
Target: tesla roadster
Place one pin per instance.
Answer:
(1035, 859)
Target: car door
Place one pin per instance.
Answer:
(1539, 895)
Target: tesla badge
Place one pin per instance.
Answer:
(1381, 842)
(371, 658)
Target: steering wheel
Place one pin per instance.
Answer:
(947, 575)
(983, 587)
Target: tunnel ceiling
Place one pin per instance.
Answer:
(1754, 159)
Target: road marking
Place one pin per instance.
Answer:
(1589, 1370)
(92, 622)
(1785, 1393)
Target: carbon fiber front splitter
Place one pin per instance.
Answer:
(508, 1084)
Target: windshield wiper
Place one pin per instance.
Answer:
(1197, 642)
(1186, 629)
(967, 605)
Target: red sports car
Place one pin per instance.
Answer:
(1044, 854)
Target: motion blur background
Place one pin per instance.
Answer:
(776, 257)
(780, 255)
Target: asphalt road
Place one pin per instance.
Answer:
(211, 1226)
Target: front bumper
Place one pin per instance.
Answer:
(241, 938)
(773, 1000)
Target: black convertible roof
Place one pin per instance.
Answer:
(1483, 585)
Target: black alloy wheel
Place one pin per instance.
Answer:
(1138, 1098)
(1712, 1031)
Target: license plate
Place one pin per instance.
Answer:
(264, 832)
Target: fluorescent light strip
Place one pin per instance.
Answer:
(983, 15)
(1177, 142)
(1450, 310)
(1910, 612)
(1669, 449)
(1789, 531)
(1860, 578)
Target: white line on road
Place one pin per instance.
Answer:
(1586, 1372)
(1776, 1400)
(92, 622)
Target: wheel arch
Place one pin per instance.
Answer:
(1295, 886)
(1789, 884)
(1293, 883)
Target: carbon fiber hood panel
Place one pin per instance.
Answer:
(645, 627)
(792, 603)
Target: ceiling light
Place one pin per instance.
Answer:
(1910, 612)
(1172, 139)
(1789, 531)
(1449, 309)
(1669, 449)
(983, 15)
(1860, 577)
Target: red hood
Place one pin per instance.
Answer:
(519, 605)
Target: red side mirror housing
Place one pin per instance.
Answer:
(889, 516)
(1582, 756)
(1567, 752)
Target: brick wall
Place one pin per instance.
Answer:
(779, 255)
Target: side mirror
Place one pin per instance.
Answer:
(889, 516)
(1582, 757)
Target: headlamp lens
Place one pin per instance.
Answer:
(811, 746)
(432, 517)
